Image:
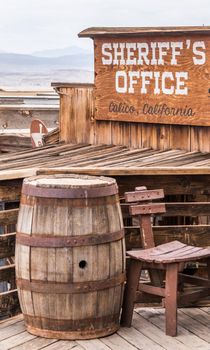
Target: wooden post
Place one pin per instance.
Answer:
(171, 299)
(76, 116)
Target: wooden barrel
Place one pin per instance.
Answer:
(70, 256)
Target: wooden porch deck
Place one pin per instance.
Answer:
(147, 332)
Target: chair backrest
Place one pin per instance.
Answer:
(141, 205)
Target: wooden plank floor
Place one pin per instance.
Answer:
(147, 332)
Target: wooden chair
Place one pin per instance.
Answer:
(164, 264)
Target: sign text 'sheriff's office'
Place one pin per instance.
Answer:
(154, 75)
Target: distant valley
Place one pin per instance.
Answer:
(39, 69)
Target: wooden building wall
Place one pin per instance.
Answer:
(9, 201)
(78, 125)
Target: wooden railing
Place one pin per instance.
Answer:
(187, 222)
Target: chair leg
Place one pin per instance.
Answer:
(133, 277)
(171, 299)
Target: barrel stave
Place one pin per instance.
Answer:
(73, 314)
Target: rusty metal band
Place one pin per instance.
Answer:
(46, 241)
(69, 288)
(70, 324)
(71, 193)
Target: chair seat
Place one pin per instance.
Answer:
(171, 252)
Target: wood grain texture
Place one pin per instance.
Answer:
(81, 311)
(9, 304)
(7, 245)
(76, 113)
(130, 134)
(167, 106)
(147, 332)
(8, 217)
(197, 235)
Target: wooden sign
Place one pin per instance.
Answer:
(160, 76)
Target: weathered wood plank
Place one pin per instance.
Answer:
(180, 137)
(138, 339)
(9, 303)
(10, 321)
(93, 344)
(157, 317)
(136, 135)
(143, 195)
(7, 245)
(116, 97)
(141, 134)
(116, 342)
(194, 326)
(147, 332)
(129, 171)
(35, 343)
(149, 135)
(15, 340)
(172, 184)
(199, 137)
(154, 333)
(172, 209)
(147, 209)
(198, 235)
(15, 140)
(119, 161)
(17, 174)
(198, 314)
(130, 31)
(11, 330)
(9, 216)
(7, 273)
(76, 113)
(63, 345)
(187, 209)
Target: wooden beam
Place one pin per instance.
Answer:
(142, 194)
(197, 235)
(172, 184)
(132, 31)
(199, 281)
(152, 289)
(12, 174)
(128, 171)
(191, 297)
(144, 209)
(187, 209)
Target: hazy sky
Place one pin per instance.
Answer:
(30, 25)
